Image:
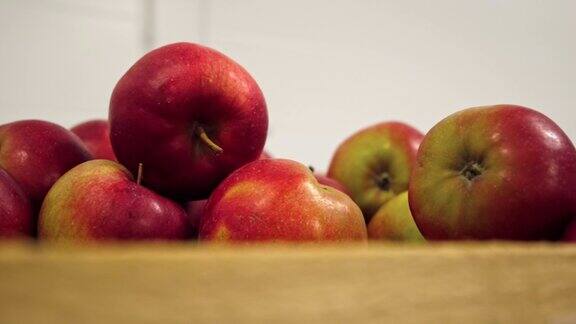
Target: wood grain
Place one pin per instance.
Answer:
(465, 283)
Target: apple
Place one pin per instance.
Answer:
(36, 153)
(96, 136)
(195, 210)
(191, 115)
(279, 200)
(393, 221)
(99, 200)
(375, 163)
(494, 172)
(16, 217)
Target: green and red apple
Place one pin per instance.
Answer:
(191, 115)
(36, 153)
(494, 172)
(96, 136)
(279, 200)
(375, 163)
(394, 222)
(100, 201)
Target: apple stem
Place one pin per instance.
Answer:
(204, 137)
(140, 175)
(311, 168)
(471, 170)
(383, 181)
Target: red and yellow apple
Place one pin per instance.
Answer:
(16, 216)
(36, 153)
(393, 221)
(191, 115)
(494, 172)
(99, 200)
(375, 163)
(96, 136)
(279, 200)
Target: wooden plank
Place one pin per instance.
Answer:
(444, 283)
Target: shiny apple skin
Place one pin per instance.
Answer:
(279, 200)
(96, 136)
(165, 98)
(494, 172)
(387, 149)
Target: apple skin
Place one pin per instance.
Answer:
(16, 216)
(375, 163)
(95, 134)
(494, 172)
(393, 221)
(36, 153)
(99, 201)
(195, 210)
(570, 234)
(325, 180)
(279, 200)
(161, 105)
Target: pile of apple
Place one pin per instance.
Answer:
(181, 157)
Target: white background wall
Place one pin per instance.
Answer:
(327, 68)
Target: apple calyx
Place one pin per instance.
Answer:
(201, 133)
(383, 181)
(140, 173)
(471, 170)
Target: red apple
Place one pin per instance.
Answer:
(375, 163)
(96, 136)
(191, 115)
(16, 217)
(393, 221)
(494, 172)
(195, 209)
(99, 200)
(36, 153)
(279, 200)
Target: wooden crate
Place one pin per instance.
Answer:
(439, 283)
